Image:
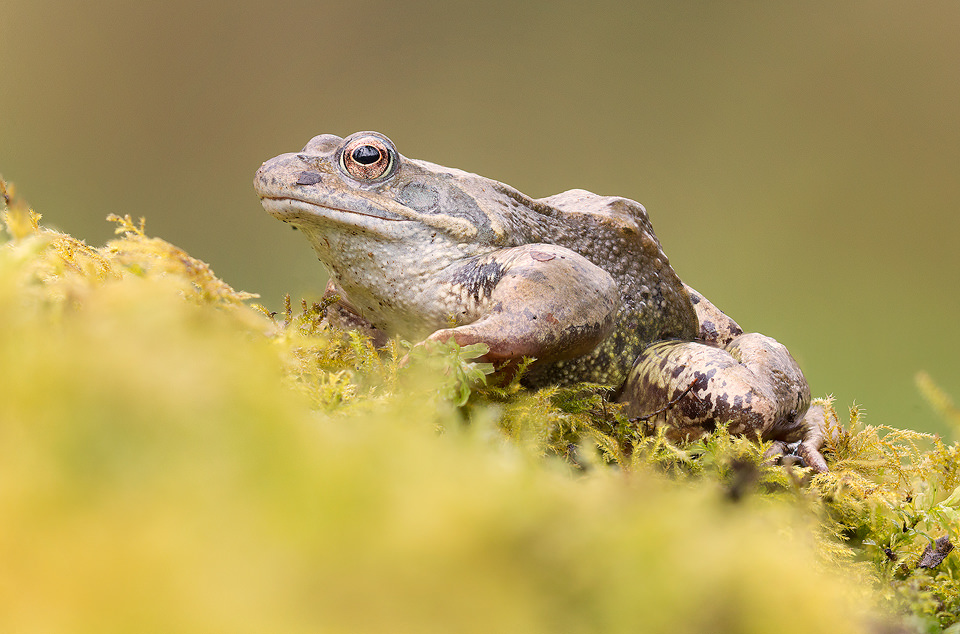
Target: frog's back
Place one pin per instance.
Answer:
(612, 231)
(615, 233)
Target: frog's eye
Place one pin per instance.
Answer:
(367, 158)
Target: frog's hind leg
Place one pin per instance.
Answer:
(752, 385)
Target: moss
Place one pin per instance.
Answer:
(173, 458)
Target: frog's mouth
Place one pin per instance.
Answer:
(296, 209)
(373, 214)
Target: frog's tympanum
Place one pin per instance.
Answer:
(576, 280)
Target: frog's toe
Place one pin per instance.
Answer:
(814, 430)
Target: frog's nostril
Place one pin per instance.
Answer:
(308, 178)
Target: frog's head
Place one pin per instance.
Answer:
(362, 186)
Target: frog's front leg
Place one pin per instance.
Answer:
(752, 385)
(535, 300)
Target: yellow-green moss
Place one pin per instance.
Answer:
(173, 459)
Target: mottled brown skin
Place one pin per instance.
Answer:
(576, 280)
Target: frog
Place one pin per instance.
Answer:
(578, 282)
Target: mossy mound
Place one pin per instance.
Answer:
(173, 459)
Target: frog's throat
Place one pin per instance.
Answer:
(290, 208)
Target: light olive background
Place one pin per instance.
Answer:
(799, 160)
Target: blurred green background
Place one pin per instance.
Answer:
(799, 160)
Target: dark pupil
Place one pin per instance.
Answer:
(366, 154)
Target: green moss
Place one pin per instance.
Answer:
(173, 459)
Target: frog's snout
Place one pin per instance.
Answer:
(277, 174)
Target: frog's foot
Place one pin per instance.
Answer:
(795, 453)
(806, 451)
(752, 386)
